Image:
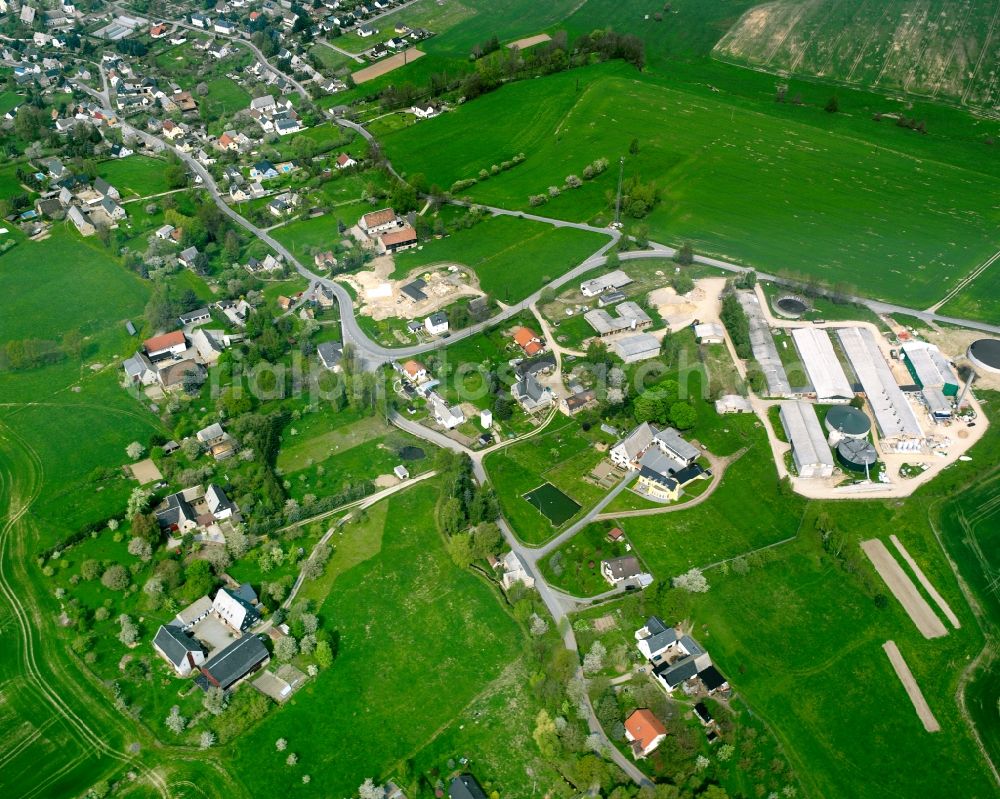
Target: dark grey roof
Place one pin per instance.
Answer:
(244, 592)
(197, 313)
(692, 647)
(102, 186)
(330, 352)
(657, 477)
(677, 672)
(178, 510)
(660, 636)
(711, 677)
(465, 786)
(528, 387)
(414, 290)
(173, 642)
(624, 567)
(217, 500)
(688, 473)
(439, 318)
(536, 365)
(702, 712)
(245, 596)
(235, 661)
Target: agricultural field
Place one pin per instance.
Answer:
(934, 48)
(736, 182)
(135, 176)
(513, 258)
(979, 300)
(442, 639)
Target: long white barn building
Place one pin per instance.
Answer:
(897, 422)
(822, 365)
(810, 451)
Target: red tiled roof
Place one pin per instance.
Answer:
(165, 341)
(402, 236)
(376, 218)
(616, 533)
(413, 368)
(343, 158)
(533, 348)
(644, 727)
(524, 335)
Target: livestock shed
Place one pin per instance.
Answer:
(764, 349)
(929, 368)
(822, 366)
(810, 451)
(637, 348)
(897, 422)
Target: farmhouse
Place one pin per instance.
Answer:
(826, 375)
(396, 240)
(378, 221)
(426, 110)
(177, 514)
(579, 400)
(233, 663)
(83, 225)
(655, 639)
(632, 349)
(629, 316)
(598, 285)
(810, 451)
(657, 485)
(139, 370)
(178, 648)
(897, 423)
(237, 607)
(210, 435)
(628, 452)
(644, 732)
(188, 257)
(530, 394)
(625, 570)
(166, 345)
(219, 505)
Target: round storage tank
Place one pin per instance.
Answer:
(849, 422)
(857, 455)
(985, 354)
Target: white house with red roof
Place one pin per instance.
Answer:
(344, 161)
(644, 732)
(168, 344)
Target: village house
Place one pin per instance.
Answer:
(330, 354)
(449, 417)
(188, 257)
(167, 345)
(515, 570)
(424, 110)
(625, 570)
(530, 394)
(437, 323)
(528, 340)
(580, 399)
(628, 452)
(182, 651)
(344, 161)
(237, 607)
(678, 660)
(644, 732)
(415, 371)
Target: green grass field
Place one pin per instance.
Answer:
(576, 566)
(135, 176)
(320, 232)
(224, 98)
(512, 257)
(432, 638)
(738, 180)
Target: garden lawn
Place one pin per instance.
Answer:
(419, 639)
(135, 176)
(737, 181)
(576, 566)
(513, 258)
(322, 232)
(560, 455)
(225, 97)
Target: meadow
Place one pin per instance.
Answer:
(900, 217)
(135, 176)
(322, 232)
(225, 97)
(419, 639)
(512, 257)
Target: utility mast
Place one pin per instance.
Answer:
(618, 199)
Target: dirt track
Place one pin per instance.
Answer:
(903, 589)
(928, 587)
(386, 65)
(912, 689)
